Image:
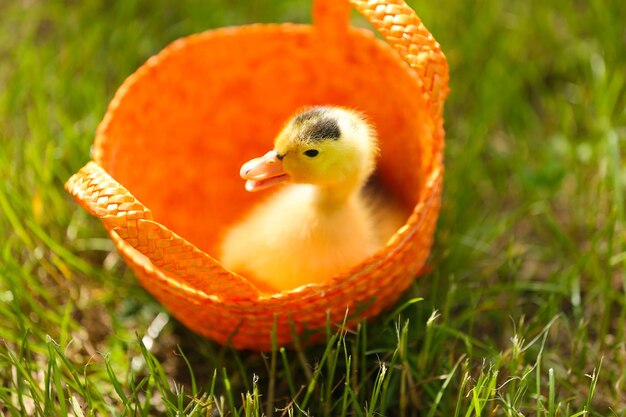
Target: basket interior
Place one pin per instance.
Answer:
(182, 125)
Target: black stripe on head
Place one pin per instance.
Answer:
(324, 128)
(317, 124)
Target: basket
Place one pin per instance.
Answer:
(164, 181)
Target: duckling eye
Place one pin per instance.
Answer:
(311, 152)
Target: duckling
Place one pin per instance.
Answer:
(319, 225)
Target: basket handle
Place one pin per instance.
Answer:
(122, 213)
(403, 30)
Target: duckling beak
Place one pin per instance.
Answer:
(263, 172)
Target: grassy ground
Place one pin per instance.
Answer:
(523, 314)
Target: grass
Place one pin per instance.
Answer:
(523, 313)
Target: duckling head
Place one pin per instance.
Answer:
(330, 147)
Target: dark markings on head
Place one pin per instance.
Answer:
(325, 128)
(320, 125)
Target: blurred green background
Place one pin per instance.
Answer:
(523, 314)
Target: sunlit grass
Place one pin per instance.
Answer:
(524, 310)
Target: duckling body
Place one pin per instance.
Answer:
(293, 239)
(318, 225)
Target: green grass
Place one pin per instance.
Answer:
(523, 314)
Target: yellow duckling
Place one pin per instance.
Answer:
(319, 225)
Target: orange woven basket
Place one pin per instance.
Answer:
(179, 128)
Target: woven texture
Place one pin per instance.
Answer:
(178, 129)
